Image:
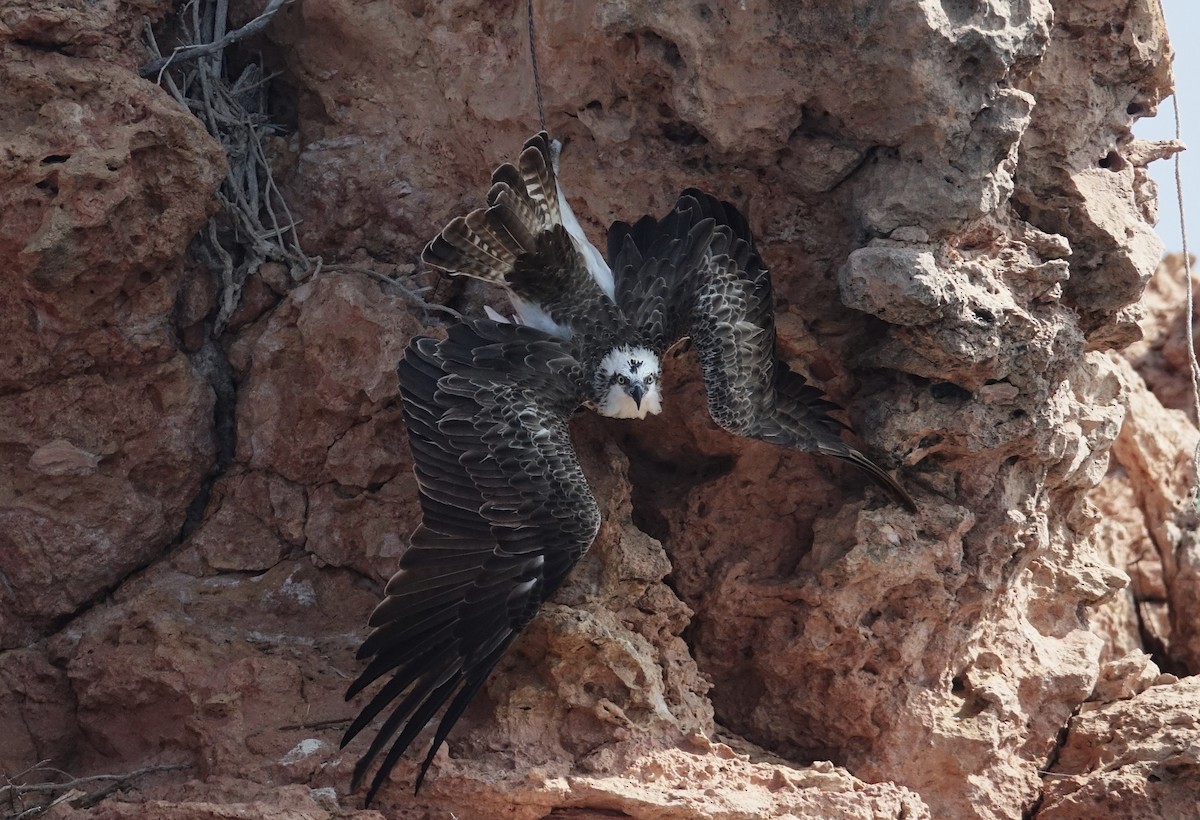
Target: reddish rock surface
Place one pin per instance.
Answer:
(193, 529)
(105, 425)
(1134, 757)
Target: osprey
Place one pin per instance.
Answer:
(506, 509)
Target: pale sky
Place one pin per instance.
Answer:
(1183, 23)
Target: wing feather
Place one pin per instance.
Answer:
(506, 514)
(697, 273)
(657, 265)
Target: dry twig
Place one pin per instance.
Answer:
(15, 794)
(184, 53)
(255, 224)
(411, 295)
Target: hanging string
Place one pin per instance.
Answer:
(537, 75)
(1188, 317)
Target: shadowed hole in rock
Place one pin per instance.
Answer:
(283, 100)
(683, 133)
(971, 705)
(37, 45)
(947, 391)
(1113, 161)
(960, 11)
(661, 47)
(54, 159)
(818, 122)
(659, 484)
(929, 441)
(343, 491)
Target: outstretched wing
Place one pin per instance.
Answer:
(697, 273)
(506, 514)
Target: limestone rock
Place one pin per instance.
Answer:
(321, 400)
(1154, 456)
(105, 181)
(103, 468)
(35, 703)
(1085, 181)
(1132, 758)
(104, 424)
(193, 530)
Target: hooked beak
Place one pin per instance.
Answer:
(636, 392)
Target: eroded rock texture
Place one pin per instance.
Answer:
(106, 429)
(959, 224)
(1148, 768)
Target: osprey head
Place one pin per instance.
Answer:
(627, 383)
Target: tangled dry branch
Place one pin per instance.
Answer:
(255, 224)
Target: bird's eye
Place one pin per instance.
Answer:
(622, 380)
(649, 380)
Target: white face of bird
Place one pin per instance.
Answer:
(627, 383)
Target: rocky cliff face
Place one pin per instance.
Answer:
(195, 524)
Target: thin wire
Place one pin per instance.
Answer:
(1187, 322)
(537, 75)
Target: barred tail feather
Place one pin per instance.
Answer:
(802, 422)
(537, 172)
(516, 214)
(476, 245)
(523, 205)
